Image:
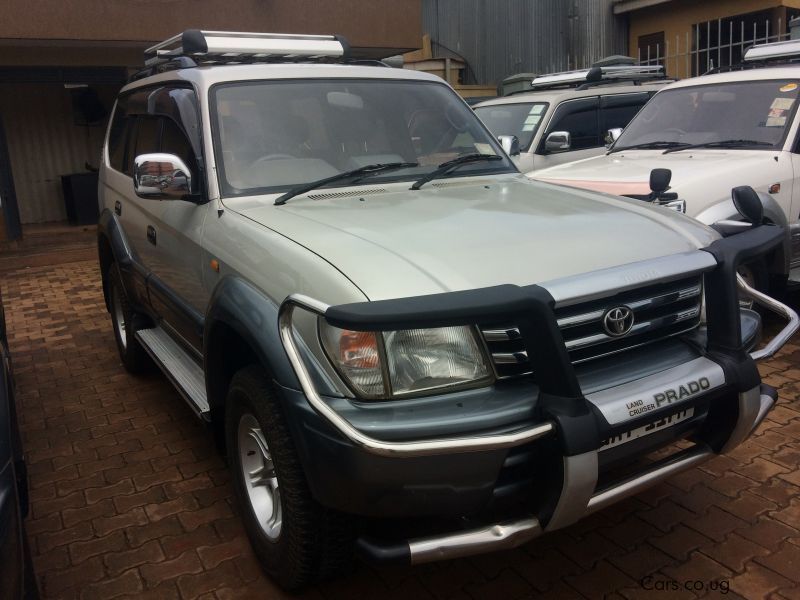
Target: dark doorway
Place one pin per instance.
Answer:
(10, 228)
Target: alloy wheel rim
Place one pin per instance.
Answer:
(258, 473)
(119, 317)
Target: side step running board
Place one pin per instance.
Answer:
(180, 368)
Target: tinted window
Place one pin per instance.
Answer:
(617, 111)
(760, 112)
(174, 141)
(148, 130)
(521, 120)
(579, 118)
(121, 126)
(271, 135)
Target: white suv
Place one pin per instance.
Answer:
(569, 116)
(713, 132)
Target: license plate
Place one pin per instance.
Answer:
(644, 430)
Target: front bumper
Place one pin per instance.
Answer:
(565, 430)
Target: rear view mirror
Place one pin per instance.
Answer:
(160, 176)
(612, 135)
(749, 205)
(345, 100)
(659, 180)
(510, 144)
(558, 141)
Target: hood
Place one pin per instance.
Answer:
(628, 172)
(462, 234)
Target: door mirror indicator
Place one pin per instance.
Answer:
(161, 176)
(558, 141)
(510, 144)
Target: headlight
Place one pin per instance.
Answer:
(412, 361)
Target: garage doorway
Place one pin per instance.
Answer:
(10, 227)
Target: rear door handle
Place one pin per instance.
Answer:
(151, 235)
(118, 207)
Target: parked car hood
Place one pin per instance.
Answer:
(464, 234)
(628, 172)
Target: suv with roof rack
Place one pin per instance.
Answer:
(571, 115)
(732, 127)
(405, 347)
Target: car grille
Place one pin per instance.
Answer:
(659, 311)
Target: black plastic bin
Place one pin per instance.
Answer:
(80, 198)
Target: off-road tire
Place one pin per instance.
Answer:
(133, 356)
(314, 543)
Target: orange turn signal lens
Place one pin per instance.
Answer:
(358, 349)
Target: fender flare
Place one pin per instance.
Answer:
(253, 316)
(110, 229)
(778, 261)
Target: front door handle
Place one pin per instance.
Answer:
(151, 235)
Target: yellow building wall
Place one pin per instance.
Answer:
(676, 18)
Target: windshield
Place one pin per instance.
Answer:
(271, 136)
(521, 120)
(758, 112)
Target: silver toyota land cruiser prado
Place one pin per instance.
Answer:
(407, 350)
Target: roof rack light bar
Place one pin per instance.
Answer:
(229, 46)
(599, 74)
(787, 49)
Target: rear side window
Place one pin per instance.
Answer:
(579, 118)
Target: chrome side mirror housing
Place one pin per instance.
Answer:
(612, 135)
(558, 141)
(160, 176)
(510, 144)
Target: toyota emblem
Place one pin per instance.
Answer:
(618, 321)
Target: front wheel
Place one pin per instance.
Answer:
(133, 356)
(297, 540)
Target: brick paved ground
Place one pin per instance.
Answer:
(129, 496)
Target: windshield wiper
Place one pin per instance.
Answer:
(359, 173)
(452, 165)
(647, 146)
(720, 144)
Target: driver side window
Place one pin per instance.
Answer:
(580, 119)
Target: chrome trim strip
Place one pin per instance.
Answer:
(510, 358)
(370, 444)
(659, 300)
(783, 336)
(501, 536)
(638, 328)
(597, 284)
(501, 335)
(589, 317)
(644, 395)
(694, 457)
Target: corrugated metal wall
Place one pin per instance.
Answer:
(44, 144)
(499, 38)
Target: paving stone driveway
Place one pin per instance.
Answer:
(130, 497)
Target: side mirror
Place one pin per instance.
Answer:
(747, 202)
(612, 135)
(558, 141)
(659, 181)
(510, 144)
(161, 176)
